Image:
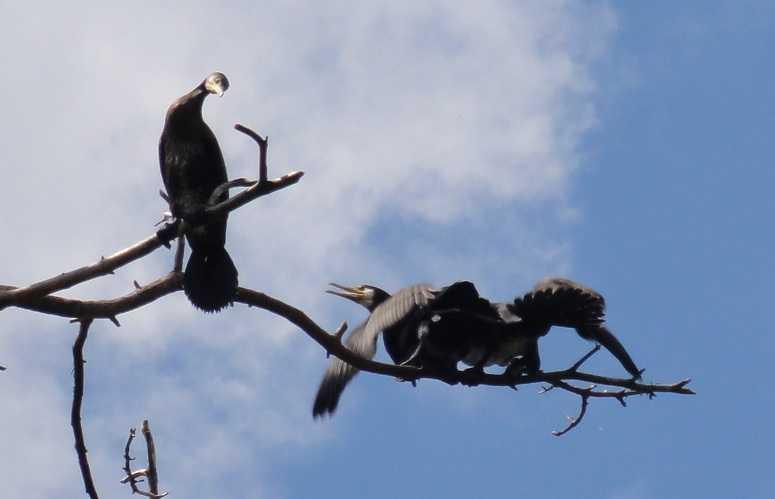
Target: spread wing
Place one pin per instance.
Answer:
(556, 301)
(560, 302)
(363, 342)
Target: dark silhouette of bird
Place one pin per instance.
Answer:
(394, 315)
(192, 167)
(437, 329)
(555, 301)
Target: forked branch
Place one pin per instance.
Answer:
(35, 295)
(133, 478)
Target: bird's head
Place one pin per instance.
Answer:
(216, 83)
(365, 295)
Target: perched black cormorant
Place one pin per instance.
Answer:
(424, 327)
(192, 167)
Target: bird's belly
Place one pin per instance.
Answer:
(508, 349)
(474, 357)
(503, 354)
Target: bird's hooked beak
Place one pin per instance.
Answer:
(355, 294)
(217, 84)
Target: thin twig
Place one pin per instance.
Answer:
(75, 414)
(573, 422)
(237, 182)
(580, 362)
(263, 146)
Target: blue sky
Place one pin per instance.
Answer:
(624, 145)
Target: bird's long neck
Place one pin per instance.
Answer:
(379, 298)
(188, 108)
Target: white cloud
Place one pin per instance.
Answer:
(416, 123)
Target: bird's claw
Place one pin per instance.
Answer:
(166, 218)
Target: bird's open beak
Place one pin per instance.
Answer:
(353, 294)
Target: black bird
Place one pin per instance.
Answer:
(192, 167)
(424, 327)
(555, 301)
(394, 315)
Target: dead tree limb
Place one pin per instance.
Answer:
(103, 309)
(107, 265)
(133, 478)
(258, 189)
(25, 297)
(75, 413)
(153, 477)
(332, 344)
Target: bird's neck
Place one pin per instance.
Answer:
(188, 108)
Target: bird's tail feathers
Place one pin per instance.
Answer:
(210, 279)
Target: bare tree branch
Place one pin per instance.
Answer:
(10, 295)
(262, 187)
(573, 422)
(179, 254)
(333, 345)
(153, 477)
(263, 146)
(106, 265)
(135, 477)
(75, 413)
(103, 309)
(237, 182)
(580, 362)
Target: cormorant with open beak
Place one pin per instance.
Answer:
(394, 315)
(424, 327)
(192, 167)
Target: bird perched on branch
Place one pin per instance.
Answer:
(192, 167)
(436, 329)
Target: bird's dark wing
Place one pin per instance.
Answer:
(163, 163)
(560, 302)
(397, 308)
(556, 301)
(463, 297)
(339, 373)
(363, 342)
